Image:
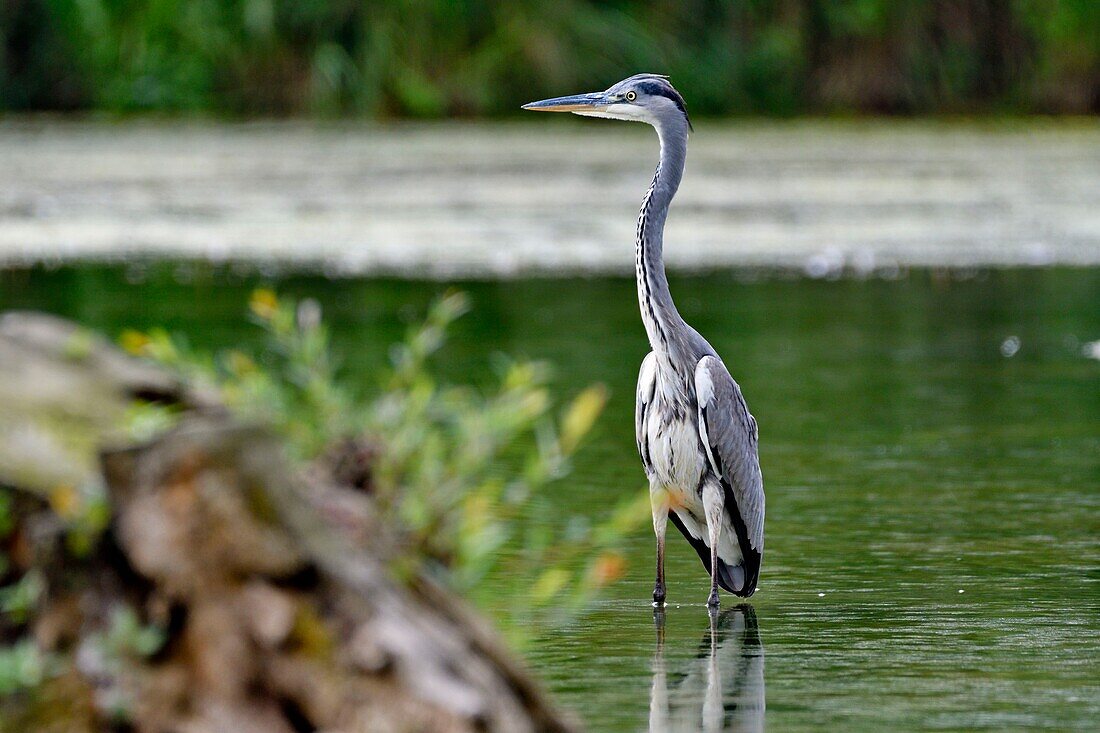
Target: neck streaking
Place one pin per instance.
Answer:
(663, 323)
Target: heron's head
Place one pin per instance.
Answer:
(641, 98)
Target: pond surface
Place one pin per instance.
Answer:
(931, 454)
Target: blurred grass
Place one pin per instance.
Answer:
(435, 58)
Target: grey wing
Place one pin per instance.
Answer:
(647, 378)
(728, 432)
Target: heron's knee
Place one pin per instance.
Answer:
(659, 503)
(714, 502)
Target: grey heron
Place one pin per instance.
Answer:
(696, 437)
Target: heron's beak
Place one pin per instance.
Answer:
(592, 102)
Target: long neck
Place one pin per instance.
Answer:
(663, 323)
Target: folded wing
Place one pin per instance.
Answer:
(729, 435)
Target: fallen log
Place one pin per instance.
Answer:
(230, 590)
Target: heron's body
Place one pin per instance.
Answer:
(695, 435)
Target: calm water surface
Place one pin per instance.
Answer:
(931, 453)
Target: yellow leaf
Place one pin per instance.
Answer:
(264, 303)
(240, 363)
(65, 501)
(476, 511)
(581, 416)
(134, 342)
(549, 583)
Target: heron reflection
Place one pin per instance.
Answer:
(722, 688)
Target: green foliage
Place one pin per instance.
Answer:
(126, 637)
(431, 58)
(18, 600)
(23, 666)
(7, 520)
(109, 654)
(291, 385)
(467, 475)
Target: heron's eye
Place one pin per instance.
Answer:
(631, 96)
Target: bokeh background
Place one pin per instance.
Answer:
(475, 58)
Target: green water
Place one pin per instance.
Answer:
(933, 521)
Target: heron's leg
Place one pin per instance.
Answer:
(714, 506)
(659, 625)
(658, 500)
(714, 711)
(658, 692)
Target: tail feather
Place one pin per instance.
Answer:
(731, 577)
(739, 580)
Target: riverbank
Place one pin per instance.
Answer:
(494, 200)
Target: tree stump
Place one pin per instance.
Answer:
(231, 590)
